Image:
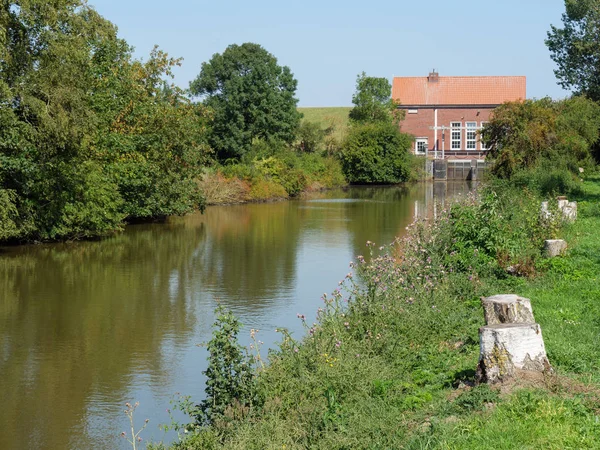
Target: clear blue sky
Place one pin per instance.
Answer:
(327, 43)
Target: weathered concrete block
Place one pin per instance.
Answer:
(554, 247)
(567, 208)
(506, 347)
(569, 211)
(507, 308)
(545, 212)
(562, 202)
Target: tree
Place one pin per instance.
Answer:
(311, 136)
(376, 153)
(251, 97)
(526, 135)
(88, 135)
(372, 100)
(576, 48)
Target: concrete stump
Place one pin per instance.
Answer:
(562, 202)
(569, 211)
(544, 211)
(554, 247)
(506, 347)
(507, 308)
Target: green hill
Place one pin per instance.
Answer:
(331, 116)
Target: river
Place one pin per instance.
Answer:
(88, 326)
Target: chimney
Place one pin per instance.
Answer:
(433, 77)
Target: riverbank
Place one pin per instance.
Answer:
(270, 178)
(391, 365)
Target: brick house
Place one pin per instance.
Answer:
(444, 113)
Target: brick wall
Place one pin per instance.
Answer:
(418, 124)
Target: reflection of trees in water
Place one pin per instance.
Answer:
(250, 252)
(81, 319)
(382, 213)
(75, 319)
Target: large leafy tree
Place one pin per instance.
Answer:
(88, 135)
(251, 96)
(576, 47)
(373, 101)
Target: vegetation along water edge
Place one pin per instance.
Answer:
(390, 362)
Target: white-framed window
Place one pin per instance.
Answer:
(421, 146)
(455, 135)
(481, 144)
(471, 135)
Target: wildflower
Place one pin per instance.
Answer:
(338, 344)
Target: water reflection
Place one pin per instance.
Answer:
(85, 327)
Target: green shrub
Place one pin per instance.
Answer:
(230, 380)
(263, 190)
(311, 137)
(376, 153)
(548, 180)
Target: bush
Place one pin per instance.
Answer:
(311, 137)
(230, 380)
(542, 133)
(548, 180)
(219, 190)
(263, 190)
(376, 153)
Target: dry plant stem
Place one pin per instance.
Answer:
(135, 437)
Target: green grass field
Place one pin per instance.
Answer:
(327, 117)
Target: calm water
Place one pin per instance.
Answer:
(85, 327)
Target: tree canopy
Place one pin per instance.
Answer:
(89, 136)
(373, 100)
(576, 47)
(523, 135)
(251, 97)
(376, 153)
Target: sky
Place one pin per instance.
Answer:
(327, 43)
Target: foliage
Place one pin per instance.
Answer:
(525, 135)
(575, 48)
(230, 380)
(251, 97)
(373, 102)
(271, 172)
(385, 363)
(8, 215)
(376, 153)
(88, 135)
(311, 137)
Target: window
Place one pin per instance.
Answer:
(481, 144)
(471, 135)
(421, 146)
(455, 135)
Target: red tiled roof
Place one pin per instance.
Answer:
(458, 90)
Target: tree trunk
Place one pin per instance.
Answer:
(554, 247)
(506, 347)
(507, 308)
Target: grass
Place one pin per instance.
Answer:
(327, 117)
(393, 367)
